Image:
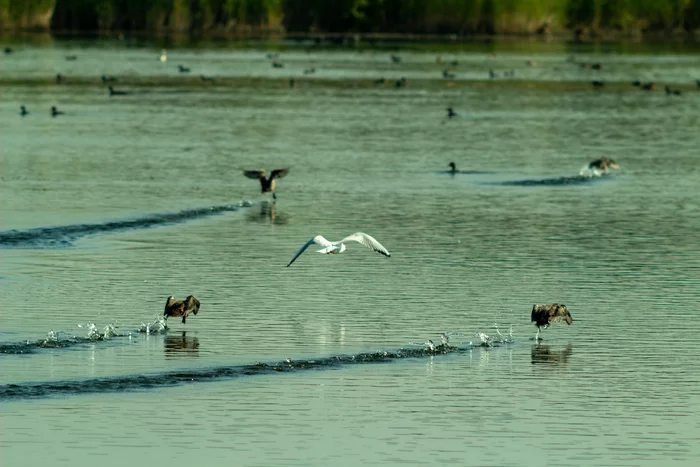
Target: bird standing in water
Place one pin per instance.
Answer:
(544, 315)
(267, 184)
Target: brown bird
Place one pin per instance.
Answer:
(544, 315)
(603, 164)
(266, 184)
(182, 308)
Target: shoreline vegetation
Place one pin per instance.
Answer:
(347, 20)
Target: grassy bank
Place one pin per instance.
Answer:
(586, 17)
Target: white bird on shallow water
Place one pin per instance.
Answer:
(339, 247)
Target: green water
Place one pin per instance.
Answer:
(617, 387)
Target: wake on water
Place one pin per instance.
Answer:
(172, 378)
(62, 236)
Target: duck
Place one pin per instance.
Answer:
(544, 315)
(395, 58)
(637, 84)
(112, 92)
(266, 184)
(71, 58)
(648, 86)
(453, 168)
(23, 111)
(180, 308)
(8, 50)
(401, 82)
(108, 79)
(492, 75)
(379, 81)
(447, 75)
(183, 69)
(603, 164)
(310, 71)
(277, 65)
(598, 84)
(451, 114)
(55, 111)
(59, 78)
(675, 92)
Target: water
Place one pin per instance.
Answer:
(123, 201)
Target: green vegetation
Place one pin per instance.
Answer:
(343, 16)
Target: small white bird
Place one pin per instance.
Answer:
(339, 247)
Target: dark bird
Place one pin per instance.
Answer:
(379, 81)
(55, 111)
(454, 63)
(453, 168)
(23, 111)
(596, 66)
(292, 83)
(544, 315)
(447, 75)
(675, 92)
(697, 82)
(492, 75)
(271, 56)
(637, 83)
(206, 78)
(59, 78)
(180, 308)
(401, 82)
(8, 50)
(112, 92)
(266, 184)
(598, 84)
(648, 86)
(71, 58)
(395, 58)
(603, 164)
(451, 114)
(182, 69)
(108, 79)
(277, 65)
(310, 71)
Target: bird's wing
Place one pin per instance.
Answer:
(318, 239)
(368, 241)
(279, 173)
(256, 174)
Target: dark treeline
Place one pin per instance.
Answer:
(348, 16)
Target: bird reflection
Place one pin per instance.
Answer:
(181, 345)
(267, 213)
(543, 354)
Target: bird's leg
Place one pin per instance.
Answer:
(183, 319)
(537, 336)
(274, 196)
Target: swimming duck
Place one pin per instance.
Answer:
(603, 164)
(112, 92)
(447, 75)
(277, 65)
(266, 184)
(8, 50)
(183, 69)
(453, 168)
(451, 114)
(108, 79)
(55, 111)
(492, 75)
(401, 82)
(675, 92)
(310, 71)
(59, 78)
(395, 58)
(637, 84)
(182, 308)
(23, 111)
(648, 86)
(544, 315)
(598, 84)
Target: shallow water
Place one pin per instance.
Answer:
(105, 212)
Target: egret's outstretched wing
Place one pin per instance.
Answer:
(256, 174)
(318, 240)
(279, 173)
(368, 241)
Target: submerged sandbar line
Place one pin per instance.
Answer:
(142, 382)
(61, 236)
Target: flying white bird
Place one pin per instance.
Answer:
(339, 247)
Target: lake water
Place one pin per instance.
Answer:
(123, 201)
